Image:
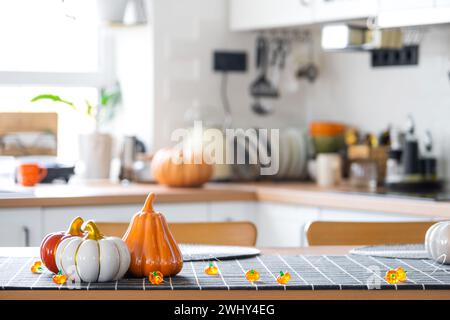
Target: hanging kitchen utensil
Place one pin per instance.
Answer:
(259, 108)
(288, 81)
(262, 87)
(310, 70)
(278, 61)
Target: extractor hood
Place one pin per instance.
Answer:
(343, 37)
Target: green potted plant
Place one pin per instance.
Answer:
(95, 148)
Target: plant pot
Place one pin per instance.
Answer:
(95, 155)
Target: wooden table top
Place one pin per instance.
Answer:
(223, 294)
(296, 193)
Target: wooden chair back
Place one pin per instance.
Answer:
(213, 233)
(327, 233)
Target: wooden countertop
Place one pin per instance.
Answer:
(106, 193)
(222, 294)
(297, 193)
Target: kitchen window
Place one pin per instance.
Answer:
(52, 46)
(50, 36)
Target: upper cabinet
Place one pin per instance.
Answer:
(263, 14)
(403, 13)
(388, 5)
(266, 14)
(338, 10)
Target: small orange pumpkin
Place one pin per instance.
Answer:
(156, 277)
(284, 277)
(252, 275)
(151, 245)
(184, 172)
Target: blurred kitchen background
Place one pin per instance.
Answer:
(91, 90)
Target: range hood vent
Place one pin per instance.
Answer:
(343, 37)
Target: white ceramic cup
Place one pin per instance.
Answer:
(328, 169)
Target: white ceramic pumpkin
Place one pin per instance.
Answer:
(93, 258)
(437, 242)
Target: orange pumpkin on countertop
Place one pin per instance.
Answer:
(151, 245)
(182, 173)
(52, 240)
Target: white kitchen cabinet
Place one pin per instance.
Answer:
(327, 214)
(404, 13)
(442, 3)
(260, 14)
(388, 5)
(232, 211)
(281, 225)
(184, 212)
(58, 218)
(267, 14)
(285, 225)
(338, 10)
(20, 227)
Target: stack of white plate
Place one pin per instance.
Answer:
(292, 150)
(293, 154)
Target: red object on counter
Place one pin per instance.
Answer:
(30, 173)
(52, 240)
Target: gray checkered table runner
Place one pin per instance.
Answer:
(308, 273)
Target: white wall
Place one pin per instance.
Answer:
(349, 90)
(185, 34)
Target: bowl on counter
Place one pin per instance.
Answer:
(327, 137)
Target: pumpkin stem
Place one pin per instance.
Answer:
(148, 205)
(75, 227)
(92, 231)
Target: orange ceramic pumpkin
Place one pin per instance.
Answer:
(151, 245)
(182, 173)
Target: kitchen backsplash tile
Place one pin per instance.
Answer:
(183, 69)
(349, 90)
